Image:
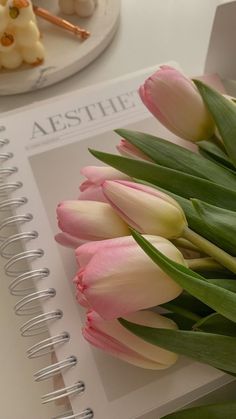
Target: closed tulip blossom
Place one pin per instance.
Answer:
(146, 209)
(175, 101)
(116, 277)
(114, 339)
(90, 189)
(90, 220)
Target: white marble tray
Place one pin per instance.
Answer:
(65, 54)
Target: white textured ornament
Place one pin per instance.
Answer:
(7, 42)
(83, 8)
(28, 35)
(19, 16)
(3, 18)
(20, 32)
(34, 54)
(67, 6)
(11, 59)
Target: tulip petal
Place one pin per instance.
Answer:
(81, 298)
(173, 99)
(115, 348)
(98, 174)
(115, 339)
(68, 241)
(115, 274)
(90, 220)
(128, 150)
(145, 209)
(86, 252)
(92, 193)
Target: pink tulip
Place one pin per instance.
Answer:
(146, 209)
(116, 276)
(113, 338)
(90, 220)
(174, 100)
(91, 189)
(129, 150)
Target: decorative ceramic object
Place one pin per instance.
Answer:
(19, 35)
(65, 54)
(83, 8)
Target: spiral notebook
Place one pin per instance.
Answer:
(43, 148)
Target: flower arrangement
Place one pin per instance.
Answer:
(155, 235)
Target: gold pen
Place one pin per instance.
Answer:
(62, 23)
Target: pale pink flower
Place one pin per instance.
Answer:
(113, 338)
(90, 189)
(116, 276)
(146, 209)
(90, 220)
(129, 150)
(175, 101)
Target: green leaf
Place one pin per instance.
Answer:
(182, 322)
(228, 284)
(185, 185)
(210, 348)
(212, 411)
(171, 155)
(223, 112)
(196, 223)
(219, 299)
(218, 274)
(215, 323)
(191, 304)
(219, 221)
(213, 152)
(178, 309)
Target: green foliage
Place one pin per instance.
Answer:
(175, 157)
(223, 112)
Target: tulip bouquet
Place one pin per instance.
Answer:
(155, 236)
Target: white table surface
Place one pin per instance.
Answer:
(151, 31)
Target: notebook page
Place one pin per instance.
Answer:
(50, 142)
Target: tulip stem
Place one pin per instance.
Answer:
(211, 249)
(218, 142)
(185, 244)
(174, 308)
(207, 264)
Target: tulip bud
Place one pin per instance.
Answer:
(146, 209)
(90, 220)
(117, 277)
(129, 150)
(113, 338)
(175, 101)
(91, 189)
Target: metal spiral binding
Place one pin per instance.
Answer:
(18, 287)
(46, 346)
(15, 220)
(55, 368)
(6, 188)
(77, 388)
(20, 237)
(87, 414)
(38, 324)
(21, 285)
